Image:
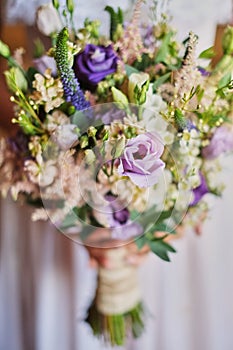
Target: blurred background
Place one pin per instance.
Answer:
(46, 283)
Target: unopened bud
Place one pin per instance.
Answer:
(70, 5)
(4, 50)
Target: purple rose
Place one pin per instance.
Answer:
(45, 62)
(221, 142)
(118, 218)
(141, 159)
(94, 63)
(116, 211)
(199, 191)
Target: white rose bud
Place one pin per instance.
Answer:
(48, 20)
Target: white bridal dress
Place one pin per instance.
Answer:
(45, 281)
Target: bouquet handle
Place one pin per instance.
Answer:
(117, 310)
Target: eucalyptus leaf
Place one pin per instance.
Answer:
(226, 79)
(130, 70)
(73, 217)
(116, 19)
(141, 241)
(161, 80)
(161, 249)
(208, 53)
(163, 51)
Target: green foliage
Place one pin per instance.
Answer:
(145, 61)
(161, 248)
(180, 119)
(165, 49)
(159, 224)
(161, 80)
(114, 329)
(130, 70)
(208, 53)
(225, 84)
(74, 217)
(116, 22)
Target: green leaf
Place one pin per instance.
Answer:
(116, 20)
(160, 81)
(208, 53)
(134, 215)
(165, 215)
(30, 75)
(73, 217)
(129, 70)
(161, 249)
(148, 216)
(141, 241)
(163, 227)
(145, 61)
(226, 79)
(69, 221)
(180, 119)
(164, 49)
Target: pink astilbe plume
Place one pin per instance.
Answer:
(188, 76)
(184, 80)
(130, 45)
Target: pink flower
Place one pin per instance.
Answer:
(141, 159)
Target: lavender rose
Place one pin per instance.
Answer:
(221, 142)
(45, 62)
(94, 63)
(141, 159)
(118, 218)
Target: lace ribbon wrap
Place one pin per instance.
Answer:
(118, 288)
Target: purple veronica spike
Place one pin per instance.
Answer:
(71, 87)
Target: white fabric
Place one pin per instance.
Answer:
(46, 285)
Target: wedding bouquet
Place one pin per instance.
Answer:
(120, 140)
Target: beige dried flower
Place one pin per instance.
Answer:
(49, 91)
